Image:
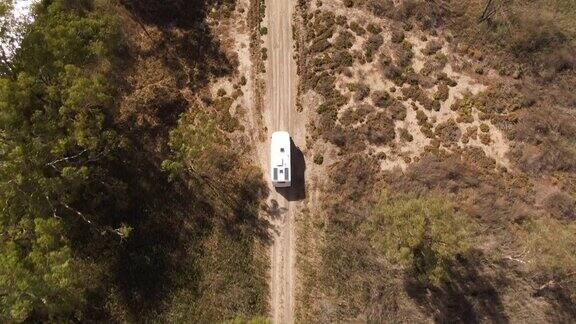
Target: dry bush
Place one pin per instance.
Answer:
(379, 129)
(394, 74)
(403, 55)
(405, 135)
(477, 157)
(432, 47)
(396, 110)
(342, 59)
(373, 28)
(362, 91)
(348, 117)
(381, 98)
(535, 33)
(398, 36)
(485, 138)
(381, 8)
(357, 29)
(421, 117)
(443, 77)
(442, 93)
(357, 115)
(448, 132)
(471, 133)
(344, 40)
(372, 45)
(426, 13)
(464, 107)
(415, 93)
(561, 205)
(550, 156)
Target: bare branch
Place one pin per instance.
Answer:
(66, 159)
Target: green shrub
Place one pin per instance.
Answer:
(422, 234)
(318, 159)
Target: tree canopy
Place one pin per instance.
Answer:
(56, 143)
(423, 234)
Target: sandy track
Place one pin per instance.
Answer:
(280, 114)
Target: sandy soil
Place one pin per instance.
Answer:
(279, 113)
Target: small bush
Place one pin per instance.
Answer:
(381, 99)
(397, 110)
(362, 91)
(394, 74)
(442, 93)
(448, 132)
(398, 36)
(405, 135)
(379, 129)
(342, 59)
(421, 117)
(374, 29)
(485, 138)
(373, 43)
(356, 28)
(403, 57)
(561, 206)
(344, 40)
(381, 8)
(443, 77)
(431, 48)
(318, 159)
(348, 3)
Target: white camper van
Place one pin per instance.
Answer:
(280, 171)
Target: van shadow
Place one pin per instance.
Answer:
(297, 190)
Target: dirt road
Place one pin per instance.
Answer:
(280, 114)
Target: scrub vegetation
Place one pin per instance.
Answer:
(450, 187)
(121, 199)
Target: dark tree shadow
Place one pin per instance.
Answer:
(563, 309)
(467, 296)
(297, 190)
(187, 43)
(274, 210)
